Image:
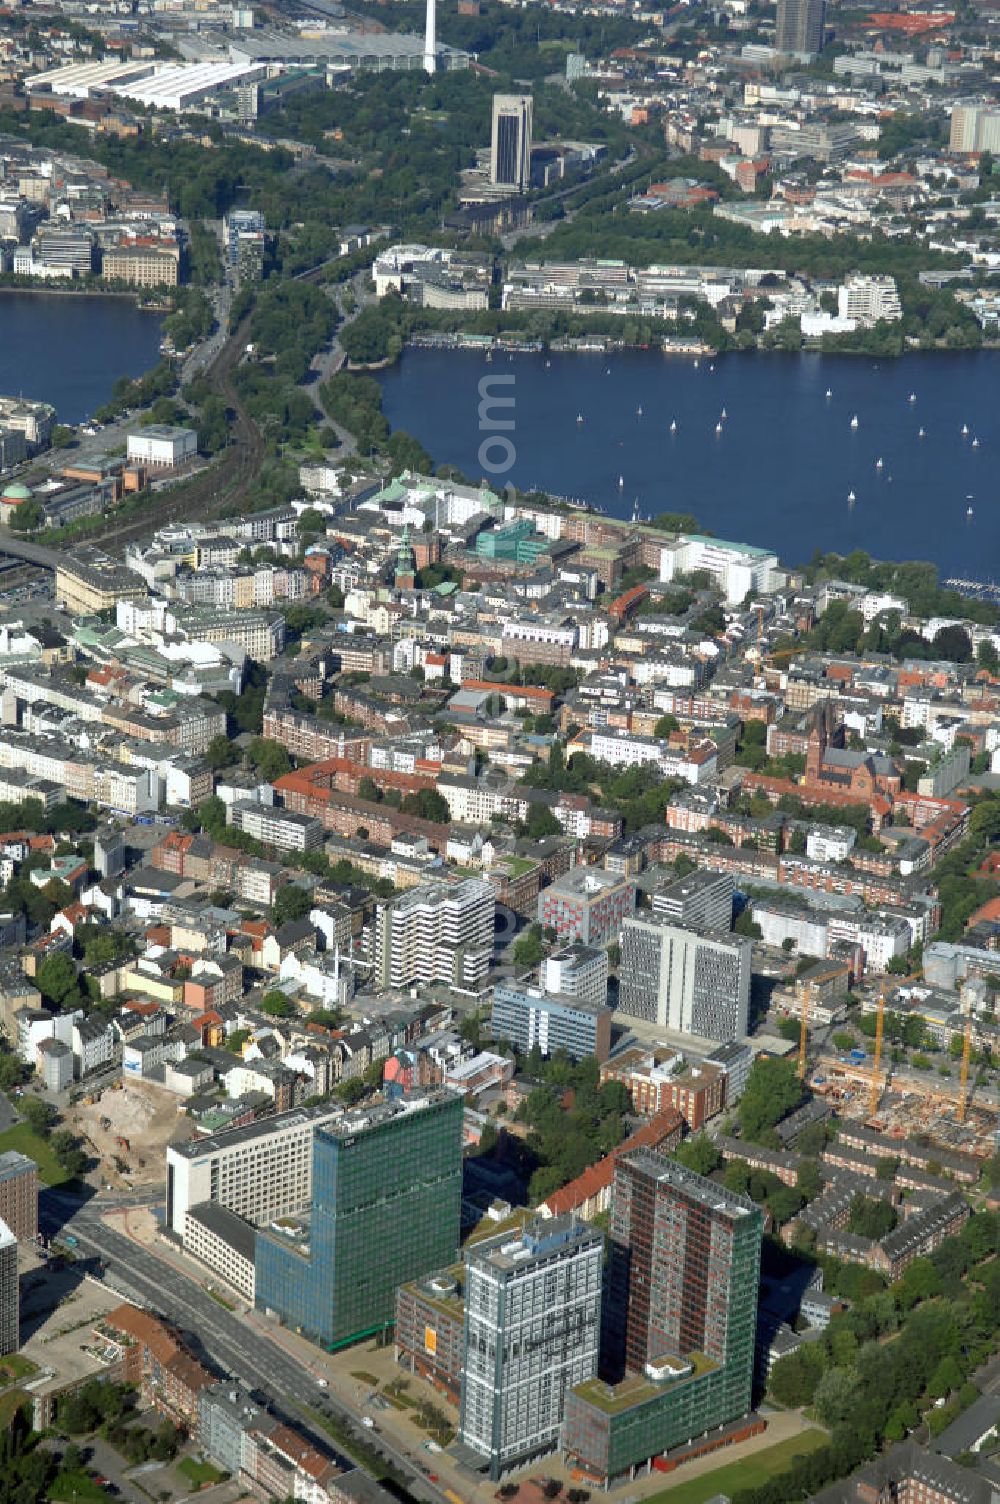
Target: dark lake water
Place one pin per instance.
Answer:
(70, 350)
(780, 471)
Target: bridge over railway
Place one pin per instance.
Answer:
(17, 547)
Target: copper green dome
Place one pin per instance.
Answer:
(15, 492)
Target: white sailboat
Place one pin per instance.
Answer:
(975, 443)
(829, 391)
(718, 427)
(854, 421)
(912, 397)
(579, 417)
(921, 434)
(965, 430)
(878, 463)
(621, 482)
(851, 498)
(673, 425)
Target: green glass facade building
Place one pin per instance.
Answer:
(684, 1271)
(515, 542)
(387, 1189)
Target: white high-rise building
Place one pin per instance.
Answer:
(692, 981)
(975, 127)
(10, 1293)
(578, 971)
(532, 1327)
(869, 299)
(437, 932)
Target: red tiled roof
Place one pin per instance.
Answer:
(597, 1178)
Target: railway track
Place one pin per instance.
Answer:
(223, 484)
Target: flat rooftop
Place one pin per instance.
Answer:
(232, 1138)
(612, 1399)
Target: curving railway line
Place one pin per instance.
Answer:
(224, 483)
(220, 487)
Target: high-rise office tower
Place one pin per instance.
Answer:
(693, 981)
(532, 1327)
(510, 158)
(800, 26)
(10, 1293)
(689, 1256)
(386, 1208)
(683, 1278)
(239, 223)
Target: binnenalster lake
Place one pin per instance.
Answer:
(70, 349)
(776, 471)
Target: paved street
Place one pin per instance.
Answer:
(227, 1340)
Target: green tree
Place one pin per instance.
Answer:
(835, 1395)
(772, 1091)
(57, 981)
(290, 902)
(870, 1217)
(528, 950)
(277, 1004)
(698, 1154)
(269, 758)
(220, 752)
(953, 643)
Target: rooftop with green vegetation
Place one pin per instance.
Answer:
(613, 1399)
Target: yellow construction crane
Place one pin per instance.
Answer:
(963, 1080)
(876, 1086)
(805, 997)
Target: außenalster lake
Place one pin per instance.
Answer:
(70, 349)
(780, 468)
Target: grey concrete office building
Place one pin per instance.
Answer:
(800, 26)
(702, 898)
(692, 981)
(532, 1327)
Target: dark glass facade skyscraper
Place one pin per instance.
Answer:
(387, 1188)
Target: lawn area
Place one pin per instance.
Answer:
(748, 1473)
(199, 1473)
(15, 1366)
(11, 1402)
(26, 1141)
(76, 1488)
